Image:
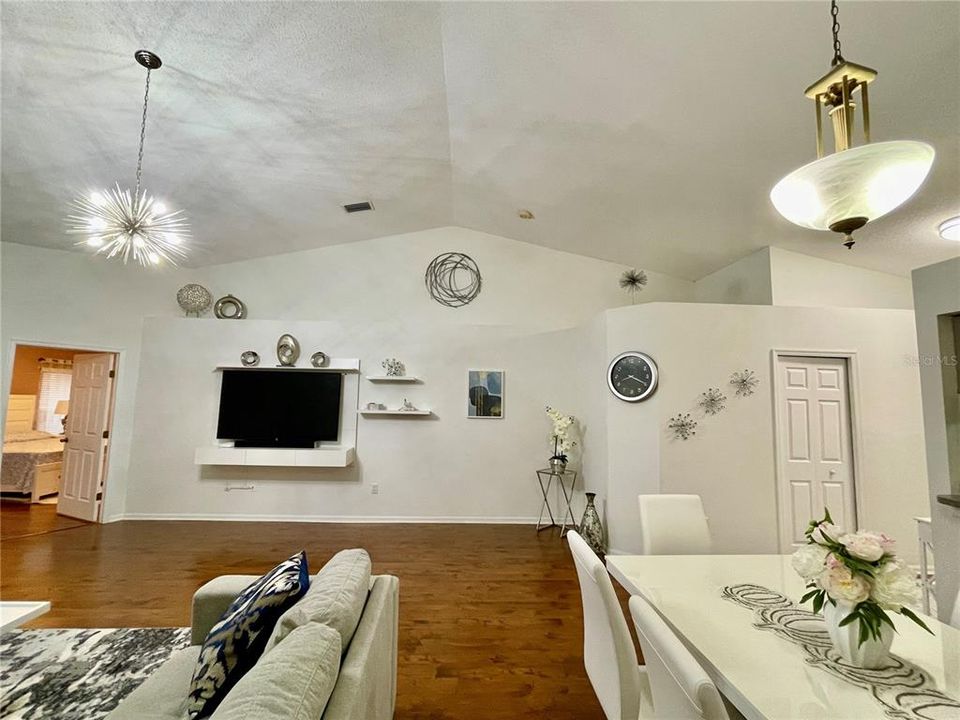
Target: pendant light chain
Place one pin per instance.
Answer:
(837, 55)
(143, 132)
(117, 223)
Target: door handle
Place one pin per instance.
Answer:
(64, 440)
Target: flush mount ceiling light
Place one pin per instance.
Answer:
(124, 224)
(847, 189)
(950, 229)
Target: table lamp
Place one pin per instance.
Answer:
(62, 408)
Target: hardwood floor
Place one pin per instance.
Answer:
(19, 519)
(490, 615)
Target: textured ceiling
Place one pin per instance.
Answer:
(643, 133)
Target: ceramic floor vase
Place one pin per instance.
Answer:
(590, 528)
(871, 654)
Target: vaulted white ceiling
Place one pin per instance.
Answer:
(645, 133)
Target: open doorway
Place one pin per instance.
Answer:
(56, 438)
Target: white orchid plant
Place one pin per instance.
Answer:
(562, 433)
(858, 570)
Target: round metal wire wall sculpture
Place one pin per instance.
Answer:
(453, 279)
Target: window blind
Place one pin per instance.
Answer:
(54, 387)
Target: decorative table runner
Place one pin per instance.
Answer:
(74, 674)
(905, 691)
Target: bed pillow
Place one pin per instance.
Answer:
(236, 642)
(336, 598)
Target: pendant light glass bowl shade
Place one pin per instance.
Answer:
(950, 229)
(863, 182)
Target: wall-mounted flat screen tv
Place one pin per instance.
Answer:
(279, 408)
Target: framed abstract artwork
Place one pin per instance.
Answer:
(485, 394)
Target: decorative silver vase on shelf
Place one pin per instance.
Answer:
(590, 527)
(558, 465)
(288, 350)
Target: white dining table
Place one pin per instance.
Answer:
(14, 613)
(764, 675)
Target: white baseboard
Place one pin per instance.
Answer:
(235, 517)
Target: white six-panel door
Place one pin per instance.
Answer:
(815, 446)
(85, 451)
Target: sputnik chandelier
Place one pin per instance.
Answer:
(845, 190)
(118, 223)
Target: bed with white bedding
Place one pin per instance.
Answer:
(32, 459)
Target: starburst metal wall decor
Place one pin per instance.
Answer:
(712, 401)
(683, 426)
(125, 224)
(745, 382)
(633, 281)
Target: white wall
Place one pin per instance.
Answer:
(802, 280)
(540, 317)
(443, 468)
(774, 276)
(52, 297)
(730, 461)
(744, 282)
(382, 279)
(373, 293)
(937, 292)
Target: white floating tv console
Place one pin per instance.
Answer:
(330, 456)
(341, 454)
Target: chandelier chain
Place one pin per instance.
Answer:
(143, 132)
(837, 55)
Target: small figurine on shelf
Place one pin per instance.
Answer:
(393, 367)
(408, 406)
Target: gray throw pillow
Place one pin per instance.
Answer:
(336, 598)
(294, 682)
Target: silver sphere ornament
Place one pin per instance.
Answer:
(194, 299)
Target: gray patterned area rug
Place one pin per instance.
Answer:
(74, 674)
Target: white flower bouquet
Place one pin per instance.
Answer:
(858, 570)
(562, 434)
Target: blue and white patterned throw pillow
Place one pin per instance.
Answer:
(236, 642)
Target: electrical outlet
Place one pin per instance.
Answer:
(375, 489)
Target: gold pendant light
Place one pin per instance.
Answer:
(848, 188)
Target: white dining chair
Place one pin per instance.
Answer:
(608, 654)
(681, 688)
(925, 540)
(673, 525)
(955, 615)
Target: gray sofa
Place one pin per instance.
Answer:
(366, 684)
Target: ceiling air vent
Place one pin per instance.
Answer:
(358, 207)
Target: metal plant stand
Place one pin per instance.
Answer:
(546, 477)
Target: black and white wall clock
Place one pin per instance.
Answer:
(632, 376)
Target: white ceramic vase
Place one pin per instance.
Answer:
(871, 654)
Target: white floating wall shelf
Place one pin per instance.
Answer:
(339, 365)
(396, 413)
(393, 378)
